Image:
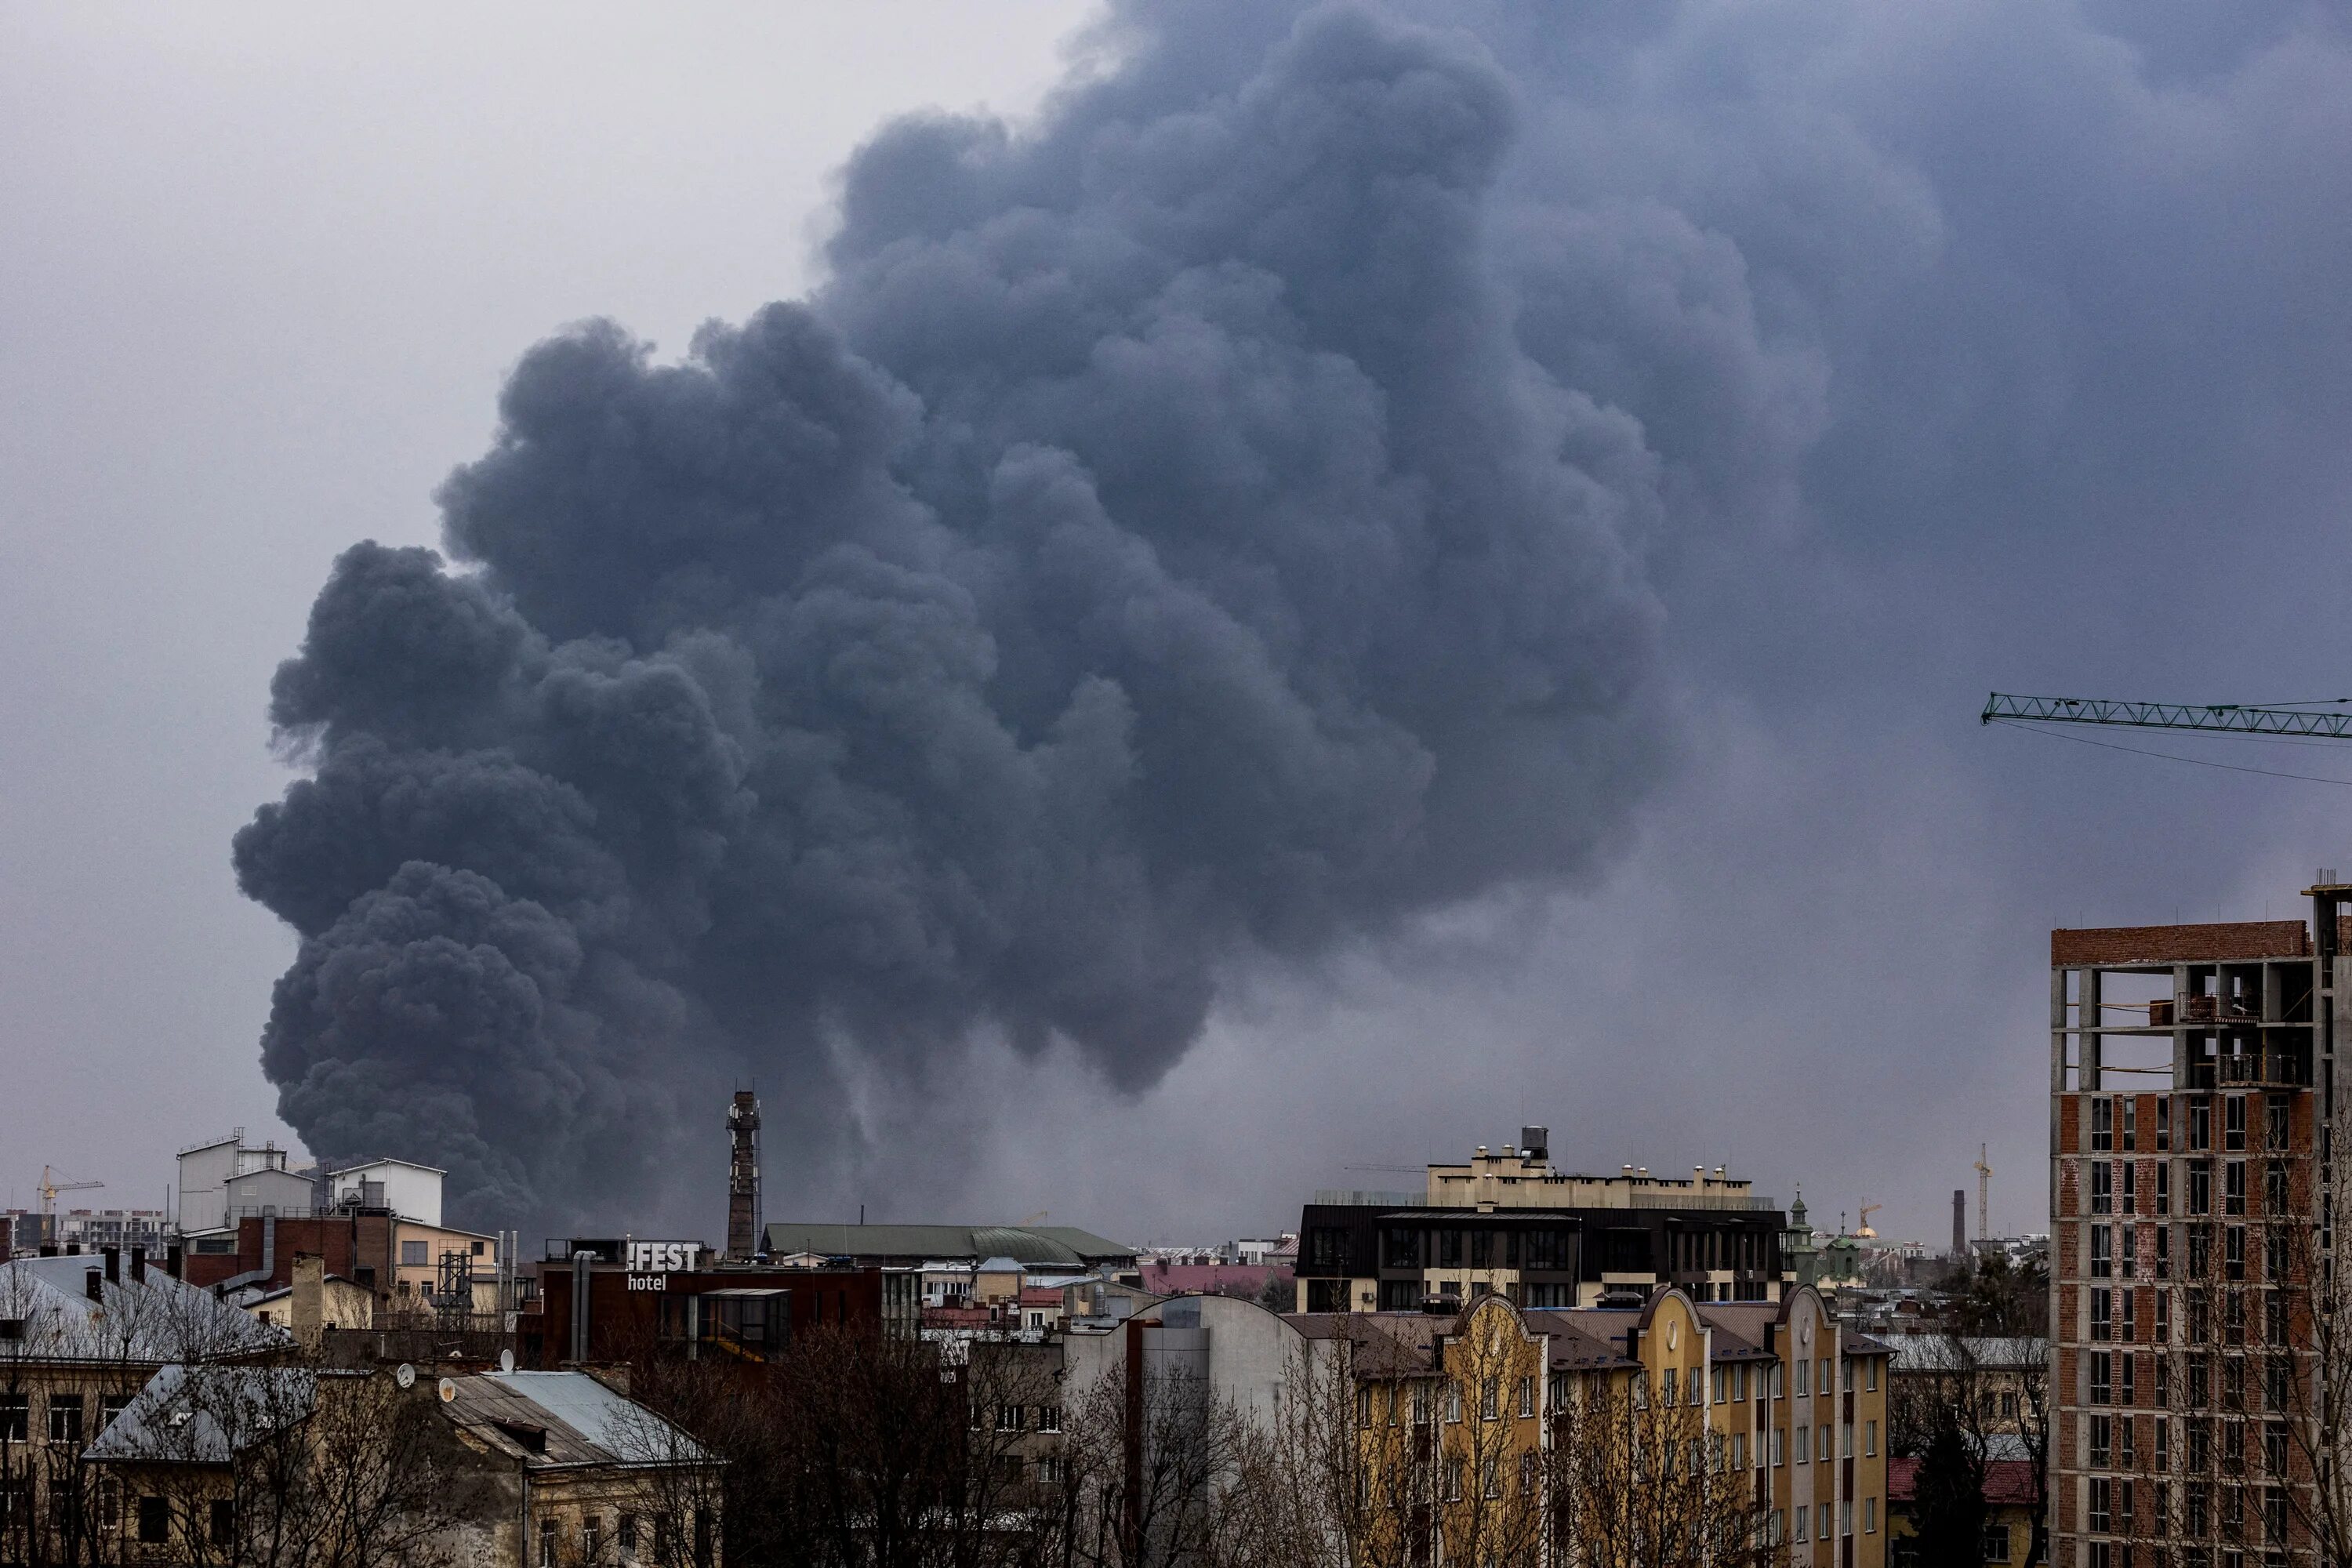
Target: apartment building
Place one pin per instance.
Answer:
(1509, 1434)
(1511, 1223)
(2192, 1077)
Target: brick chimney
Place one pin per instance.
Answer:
(310, 1299)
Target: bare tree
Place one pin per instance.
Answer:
(1641, 1479)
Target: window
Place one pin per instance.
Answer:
(1490, 1397)
(2103, 1187)
(1453, 1478)
(412, 1256)
(1490, 1477)
(1012, 1417)
(65, 1417)
(1779, 1389)
(154, 1521)
(2127, 1124)
(546, 1540)
(2200, 1124)
(2274, 1317)
(1453, 1400)
(1049, 1469)
(2126, 1441)
(2103, 1252)
(1364, 1406)
(1527, 1397)
(2275, 1447)
(110, 1406)
(1527, 1475)
(1822, 1439)
(2233, 1186)
(1326, 1248)
(2163, 1334)
(1804, 1518)
(2200, 1186)
(1804, 1444)
(1870, 1516)
(591, 1531)
(1846, 1517)
(1870, 1375)
(2274, 1255)
(1779, 1446)
(1719, 1385)
(2275, 1186)
(2163, 1127)
(2103, 1429)
(2277, 1119)
(625, 1535)
(1845, 1441)
(2103, 1131)
(2163, 1429)
(1822, 1517)
(15, 1417)
(2233, 1252)
(2163, 1188)
(477, 1252)
(2126, 1318)
(1824, 1365)
(2125, 1393)
(224, 1522)
(1869, 1439)
(2233, 1122)
(2102, 1504)
(2102, 1377)
(1849, 1377)
(2101, 1313)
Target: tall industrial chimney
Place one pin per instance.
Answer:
(743, 1177)
(1960, 1222)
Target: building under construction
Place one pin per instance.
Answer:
(2192, 1077)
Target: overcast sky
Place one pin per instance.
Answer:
(2005, 347)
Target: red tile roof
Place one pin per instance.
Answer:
(2009, 1483)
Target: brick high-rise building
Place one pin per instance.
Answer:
(2192, 1077)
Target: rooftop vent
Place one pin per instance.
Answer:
(1535, 1142)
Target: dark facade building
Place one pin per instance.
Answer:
(1510, 1222)
(626, 1300)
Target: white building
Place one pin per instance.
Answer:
(409, 1190)
(223, 1181)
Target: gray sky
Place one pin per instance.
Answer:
(2008, 347)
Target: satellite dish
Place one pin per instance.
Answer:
(448, 1390)
(404, 1375)
(505, 1361)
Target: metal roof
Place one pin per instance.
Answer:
(206, 1415)
(156, 1320)
(1059, 1246)
(557, 1418)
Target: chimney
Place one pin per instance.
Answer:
(308, 1310)
(93, 1284)
(743, 1237)
(113, 1256)
(172, 1256)
(139, 1266)
(1960, 1222)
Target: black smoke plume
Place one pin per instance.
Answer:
(1152, 552)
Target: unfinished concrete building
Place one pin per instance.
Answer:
(2192, 1073)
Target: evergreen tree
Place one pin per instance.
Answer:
(1949, 1508)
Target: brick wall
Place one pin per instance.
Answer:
(2182, 944)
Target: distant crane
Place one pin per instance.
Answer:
(2230, 718)
(1863, 1230)
(51, 1187)
(1984, 1179)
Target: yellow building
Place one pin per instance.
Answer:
(1621, 1436)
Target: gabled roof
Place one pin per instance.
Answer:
(206, 1415)
(560, 1418)
(2007, 1483)
(1057, 1246)
(154, 1321)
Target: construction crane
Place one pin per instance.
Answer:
(51, 1187)
(1864, 1214)
(1984, 1180)
(2228, 717)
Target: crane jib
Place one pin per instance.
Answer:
(2230, 717)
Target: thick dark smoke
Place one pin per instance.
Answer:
(1154, 551)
